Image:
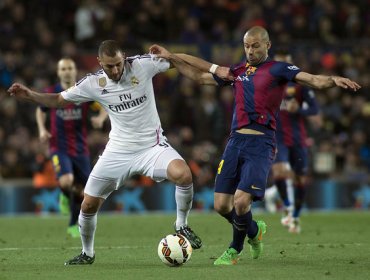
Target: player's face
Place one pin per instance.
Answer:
(256, 48)
(67, 71)
(112, 66)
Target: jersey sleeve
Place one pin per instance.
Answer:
(81, 92)
(152, 64)
(285, 71)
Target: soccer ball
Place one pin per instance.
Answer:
(174, 250)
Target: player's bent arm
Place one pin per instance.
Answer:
(44, 134)
(40, 120)
(323, 82)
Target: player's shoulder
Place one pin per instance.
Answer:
(139, 58)
(93, 79)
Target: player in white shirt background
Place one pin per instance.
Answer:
(136, 144)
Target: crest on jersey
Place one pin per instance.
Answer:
(134, 81)
(102, 82)
(290, 91)
(250, 69)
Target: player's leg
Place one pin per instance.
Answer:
(299, 162)
(101, 183)
(63, 169)
(281, 173)
(245, 164)
(81, 170)
(170, 165)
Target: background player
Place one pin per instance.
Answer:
(136, 144)
(292, 154)
(249, 154)
(68, 142)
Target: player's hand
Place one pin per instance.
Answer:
(224, 73)
(44, 136)
(19, 91)
(159, 51)
(97, 122)
(292, 105)
(345, 83)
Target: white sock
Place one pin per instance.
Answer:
(184, 202)
(87, 223)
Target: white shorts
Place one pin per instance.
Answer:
(113, 168)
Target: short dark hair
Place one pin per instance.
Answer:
(109, 48)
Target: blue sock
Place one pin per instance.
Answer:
(299, 195)
(229, 216)
(241, 225)
(282, 188)
(75, 207)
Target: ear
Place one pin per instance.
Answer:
(268, 45)
(98, 59)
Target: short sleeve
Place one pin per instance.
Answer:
(284, 71)
(80, 92)
(151, 63)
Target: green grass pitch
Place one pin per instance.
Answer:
(332, 245)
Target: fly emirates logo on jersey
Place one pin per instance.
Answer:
(69, 114)
(126, 102)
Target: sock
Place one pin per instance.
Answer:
(282, 188)
(66, 192)
(87, 223)
(241, 225)
(75, 207)
(184, 202)
(229, 216)
(299, 195)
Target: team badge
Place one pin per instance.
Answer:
(134, 81)
(290, 91)
(102, 82)
(250, 69)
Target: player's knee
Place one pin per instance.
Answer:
(242, 204)
(90, 206)
(222, 208)
(66, 181)
(181, 176)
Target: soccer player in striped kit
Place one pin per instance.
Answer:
(292, 154)
(136, 142)
(67, 138)
(258, 88)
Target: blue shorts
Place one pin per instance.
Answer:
(245, 164)
(297, 156)
(79, 166)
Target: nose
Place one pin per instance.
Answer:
(115, 70)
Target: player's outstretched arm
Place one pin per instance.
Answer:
(323, 82)
(22, 92)
(192, 67)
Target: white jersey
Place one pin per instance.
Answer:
(130, 102)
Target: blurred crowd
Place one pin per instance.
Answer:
(324, 36)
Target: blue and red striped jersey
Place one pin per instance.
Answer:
(291, 128)
(68, 127)
(258, 91)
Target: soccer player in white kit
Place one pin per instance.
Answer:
(136, 144)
